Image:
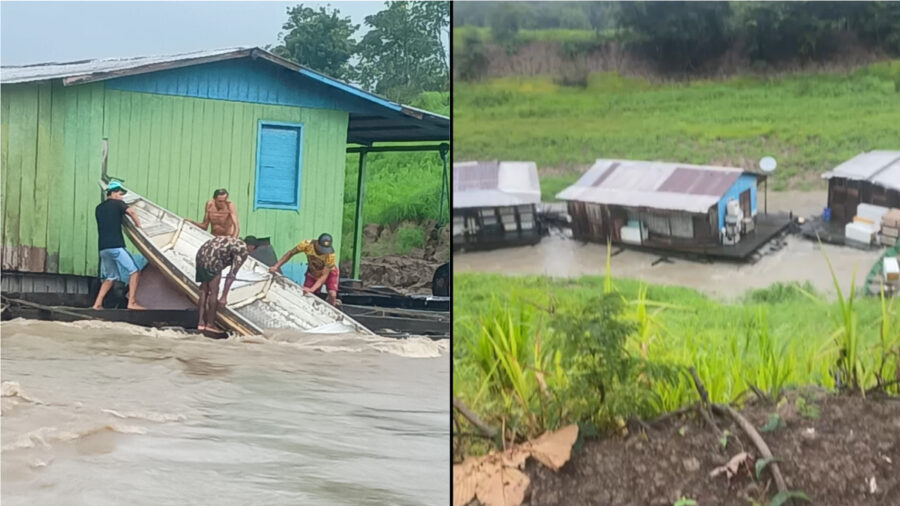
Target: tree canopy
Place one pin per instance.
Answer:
(319, 39)
(400, 56)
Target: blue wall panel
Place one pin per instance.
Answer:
(245, 80)
(743, 182)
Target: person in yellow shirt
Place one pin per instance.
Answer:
(320, 266)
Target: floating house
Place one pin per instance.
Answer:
(664, 205)
(495, 204)
(273, 133)
(869, 178)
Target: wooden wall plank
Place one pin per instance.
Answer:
(5, 125)
(18, 111)
(43, 168)
(91, 177)
(80, 149)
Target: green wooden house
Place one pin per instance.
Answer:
(178, 127)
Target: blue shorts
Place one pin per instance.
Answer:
(116, 263)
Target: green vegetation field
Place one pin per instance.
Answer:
(809, 123)
(400, 187)
(519, 363)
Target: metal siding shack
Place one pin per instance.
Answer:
(178, 127)
(495, 204)
(871, 178)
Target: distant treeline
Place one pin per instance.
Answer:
(685, 37)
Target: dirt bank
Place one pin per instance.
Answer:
(837, 450)
(401, 272)
(409, 273)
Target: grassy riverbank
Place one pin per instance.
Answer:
(809, 122)
(532, 353)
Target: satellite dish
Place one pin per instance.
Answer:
(767, 164)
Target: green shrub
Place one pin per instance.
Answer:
(409, 238)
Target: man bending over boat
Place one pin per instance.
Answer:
(220, 214)
(114, 258)
(212, 258)
(320, 267)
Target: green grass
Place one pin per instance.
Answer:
(400, 187)
(809, 123)
(771, 340)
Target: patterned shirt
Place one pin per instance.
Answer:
(316, 262)
(220, 252)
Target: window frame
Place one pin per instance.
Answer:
(257, 204)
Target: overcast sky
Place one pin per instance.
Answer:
(35, 32)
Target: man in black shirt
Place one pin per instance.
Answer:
(261, 250)
(113, 255)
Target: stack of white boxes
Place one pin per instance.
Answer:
(865, 224)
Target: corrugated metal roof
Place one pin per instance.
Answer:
(878, 167)
(659, 185)
(406, 123)
(74, 69)
(495, 184)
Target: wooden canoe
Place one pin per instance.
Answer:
(257, 301)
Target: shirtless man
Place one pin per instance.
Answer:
(221, 214)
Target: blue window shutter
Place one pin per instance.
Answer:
(278, 163)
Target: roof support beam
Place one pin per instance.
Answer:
(443, 149)
(357, 220)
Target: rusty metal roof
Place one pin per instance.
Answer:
(495, 184)
(659, 185)
(388, 121)
(877, 167)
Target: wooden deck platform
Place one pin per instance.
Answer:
(768, 226)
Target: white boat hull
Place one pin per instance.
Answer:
(257, 301)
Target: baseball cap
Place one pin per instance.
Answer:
(323, 244)
(115, 186)
(251, 241)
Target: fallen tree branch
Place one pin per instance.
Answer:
(882, 386)
(703, 408)
(758, 441)
(671, 414)
(473, 418)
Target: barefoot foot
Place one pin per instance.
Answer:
(135, 305)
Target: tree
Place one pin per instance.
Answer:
(319, 39)
(678, 36)
(402, 54)
(506, 19)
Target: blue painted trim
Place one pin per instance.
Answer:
(255, 82)
(350, 89)
(295, 271)
(259, 130)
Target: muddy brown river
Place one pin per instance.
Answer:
(110, 414)
(799, 260)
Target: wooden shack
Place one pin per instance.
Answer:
(868, 178)
(662, 205)
(274, 134)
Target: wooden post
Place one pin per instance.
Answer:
(444, 149)
(358, 219)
